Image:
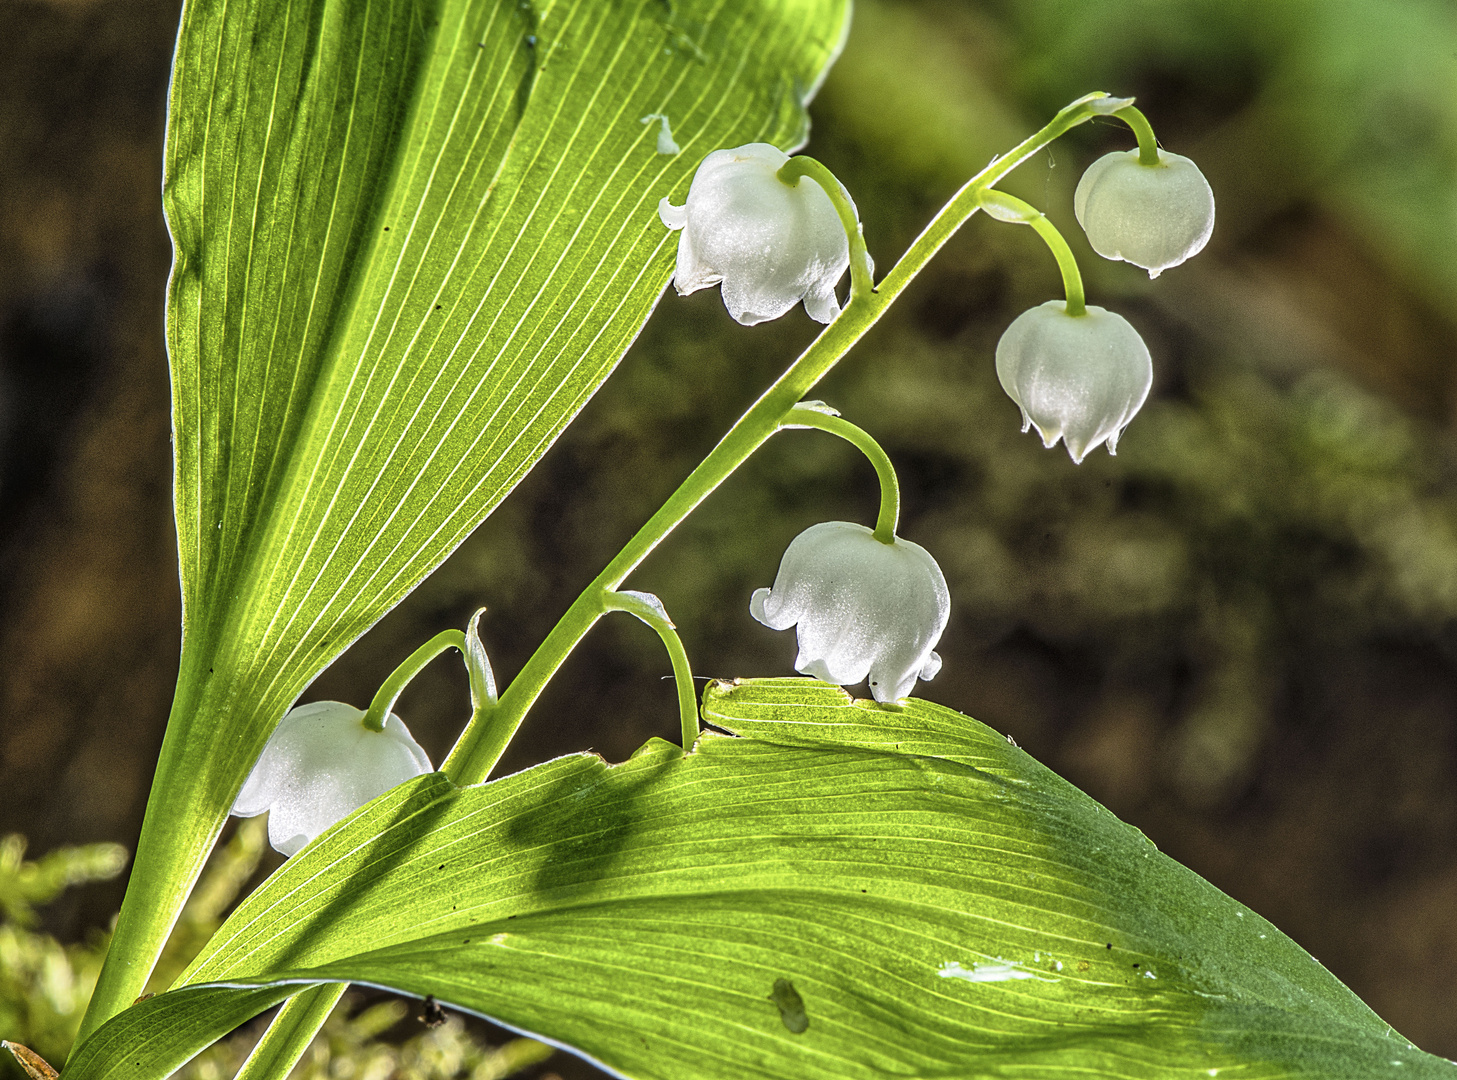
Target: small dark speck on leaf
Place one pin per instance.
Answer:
(437, 307)
(1135, 965)
(441, 866)
(432, 1015)
(790, 1005)
(864, 890)
(1108, 946)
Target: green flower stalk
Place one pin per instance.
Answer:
(481, 745)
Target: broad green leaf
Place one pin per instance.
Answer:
(143, 1041)
(844, 890)
(412, 238)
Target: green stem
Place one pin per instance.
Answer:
(183, 818)
(480, 746)
(1148, 144)
(1006, 207)
(890, 492)
(291, 1032)
(1072, 278)
(861, 277)
(391, 688)
(650, 610)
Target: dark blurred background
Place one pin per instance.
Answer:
(1238, 633)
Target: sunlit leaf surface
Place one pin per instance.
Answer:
(844, 890)
(412, 238)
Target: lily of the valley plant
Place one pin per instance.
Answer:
(443, 230)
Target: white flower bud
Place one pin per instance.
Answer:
(320, 765)
(769, 244)
(1080, 378)
(1154, 216)
(862, 607)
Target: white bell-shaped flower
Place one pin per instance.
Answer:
(1080, 378)
(863, 608)
(320, 765)
(1154, 216)
(769, 244)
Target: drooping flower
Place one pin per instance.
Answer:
(320, 765)
(1080, 378)
(1154, 216)
(769, 244)
(863, 608)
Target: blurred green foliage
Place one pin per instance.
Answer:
(351, 1045)
(44, 986)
